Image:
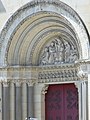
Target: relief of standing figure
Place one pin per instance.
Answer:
(45, 56)
(59, 51)
(52, 53)
(67, 52)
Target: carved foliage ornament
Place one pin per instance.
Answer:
(58, 51)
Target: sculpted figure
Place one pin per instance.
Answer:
(59, 51)
(45, 56)
(67, 52)
(52, 52)
(73, 55)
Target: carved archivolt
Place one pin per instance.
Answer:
(58, 51)
(24, 15)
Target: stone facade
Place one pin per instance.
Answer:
(44, 42)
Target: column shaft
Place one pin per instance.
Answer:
(18, 103)
(30, 102)
(6, 102)
(88, 96)
(24, 101)
(0, 101)
(12, 101)
(83, 101)
(79, 100)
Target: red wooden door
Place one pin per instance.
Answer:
(61, 102)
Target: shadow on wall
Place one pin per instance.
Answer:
(2, 8)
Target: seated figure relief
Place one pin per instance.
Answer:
(58, 52)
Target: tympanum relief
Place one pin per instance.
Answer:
(58, 51)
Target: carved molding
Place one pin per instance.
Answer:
(24, 12)
(58, 74)
(81, 74)
(19, 82)
(44, 74)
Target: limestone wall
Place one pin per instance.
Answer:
(82, 7)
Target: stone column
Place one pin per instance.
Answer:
(18, 101)
(30, 100)
(43, 92)
(0, 101)
(89, 95)
(24, 101)
(79, 86)
(6, 102)
(38, 102)
(12, 101)
(86, 100)
(83, 100)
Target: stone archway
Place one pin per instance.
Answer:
(23, 41)
(46, 18)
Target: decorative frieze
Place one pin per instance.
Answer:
(19, 82)
(61, 74)
(45, 74)
(58, 74)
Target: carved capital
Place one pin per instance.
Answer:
(81, 74)
(44, 89)
(5, 84)
(31, 82)
(18, 83)
(78, 86)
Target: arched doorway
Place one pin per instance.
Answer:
(39, 45)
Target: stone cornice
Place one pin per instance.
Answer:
(46, 67)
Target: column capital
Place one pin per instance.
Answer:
(4, 80)
(18, 83)
(44, 89)
(78, 85)
(31, 82)
(5, 84)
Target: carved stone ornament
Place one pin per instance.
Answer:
(82, 74)
(44, 90)
(57, 76)
(58, 51)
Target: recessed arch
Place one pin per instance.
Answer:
(20, 34)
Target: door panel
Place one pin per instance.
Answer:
(71, 102)
(61, 102)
